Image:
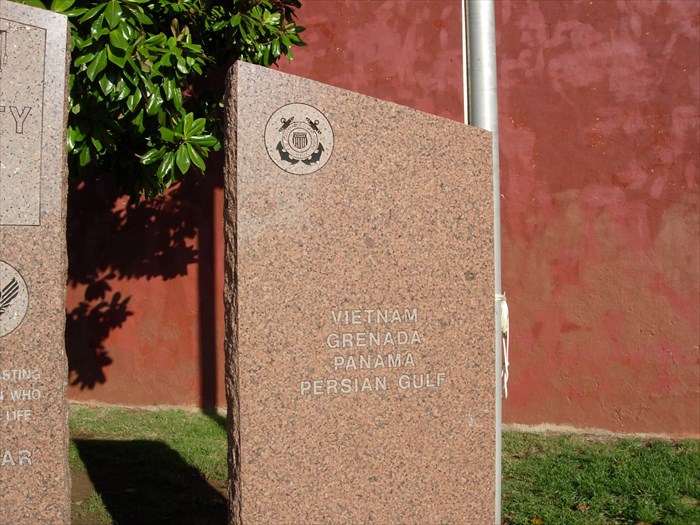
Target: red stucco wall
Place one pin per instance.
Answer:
(599, 122)
(599, 119)
(405, 52)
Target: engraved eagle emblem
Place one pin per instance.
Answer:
(8, 294)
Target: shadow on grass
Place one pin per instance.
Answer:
(216, 417)
(148, 482)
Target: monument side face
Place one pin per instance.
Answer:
(359, 301)
(34, 475)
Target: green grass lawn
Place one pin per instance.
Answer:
(567, 480)
(132, 467)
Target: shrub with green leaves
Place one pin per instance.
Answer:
(136, 110)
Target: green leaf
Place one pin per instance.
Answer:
(169, 87)
(74, 13)
(197, 127)
(167, 134)
(70, 139)
(77, 42)
(142, 17)
(34, 3)
(123, 90)
(183, 159)
(61, 6)
(83, 59)
(138, 121)
(96, 142)
(206, 141)
(196, 157)
(106, 85)
(77, 133)
(152, 155)
(155, 40)
(91, 13)
(149, 87)
(187, 124)
(97, 65)
(127, 32)
(113, 13)
(118, 40)
(116, 57)
(153, 104)
(166, 60)
(166, 165)
(84, 156)
(182, 66)
(177, 99)
(272, 19)
(133, 101)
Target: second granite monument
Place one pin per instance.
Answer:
(359, 300)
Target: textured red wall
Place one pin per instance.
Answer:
(599, 119)
(405, 52)
(599, 113)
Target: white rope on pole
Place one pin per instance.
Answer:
(505, 339)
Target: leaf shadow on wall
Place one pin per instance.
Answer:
(110, 241)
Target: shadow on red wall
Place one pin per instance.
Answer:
(108, 242)
(113, 246)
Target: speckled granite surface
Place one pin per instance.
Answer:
(34, 477)
(359, 298)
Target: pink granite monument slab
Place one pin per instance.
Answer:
(34, 476)
(359, 300)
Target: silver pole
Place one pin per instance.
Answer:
(483, 112)
(465, 62)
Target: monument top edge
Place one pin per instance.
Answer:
(247, 68)
(31, 15)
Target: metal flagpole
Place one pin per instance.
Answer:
(482, 102)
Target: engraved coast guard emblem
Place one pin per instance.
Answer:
(299, 139)
(14, 299)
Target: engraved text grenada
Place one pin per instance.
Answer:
(380, 350)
